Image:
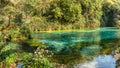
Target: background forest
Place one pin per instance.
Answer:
(43, 15)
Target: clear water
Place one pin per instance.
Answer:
(83, 47)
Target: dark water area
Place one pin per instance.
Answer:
(83, 49)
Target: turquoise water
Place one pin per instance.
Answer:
(89, 45)
(63, 39)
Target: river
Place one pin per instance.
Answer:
(88, 49)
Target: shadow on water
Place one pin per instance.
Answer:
(25, 47)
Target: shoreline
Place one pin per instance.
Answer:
(70, 30)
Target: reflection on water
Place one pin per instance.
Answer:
(90, 51)
(92, 46)
(103, 61)
(86, 65)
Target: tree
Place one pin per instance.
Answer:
(65, 11)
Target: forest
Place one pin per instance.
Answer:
(19, 19)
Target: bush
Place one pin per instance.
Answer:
(39, 59)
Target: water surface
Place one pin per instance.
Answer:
(83, 47)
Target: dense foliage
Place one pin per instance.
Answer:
(38, 15)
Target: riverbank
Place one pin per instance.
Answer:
(77, 30)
